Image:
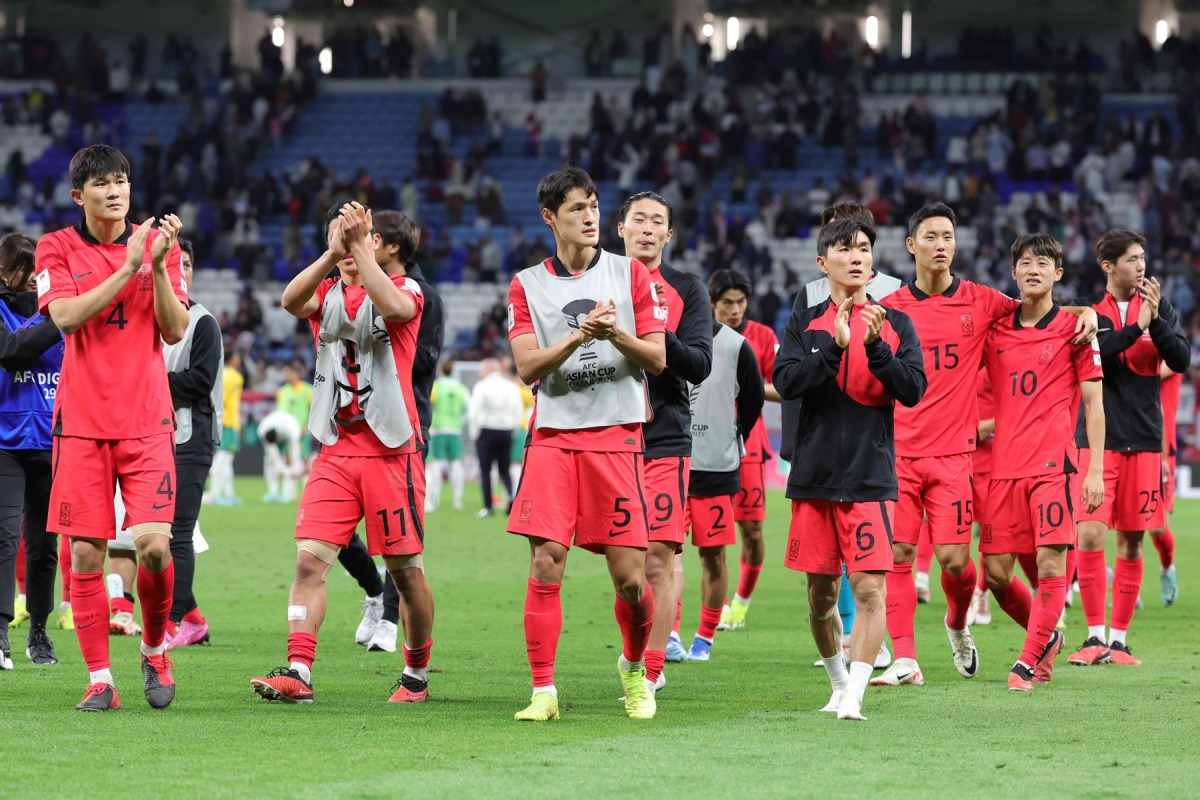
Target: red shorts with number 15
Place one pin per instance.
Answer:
(824, 535)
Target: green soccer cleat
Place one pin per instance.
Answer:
(737, 614)
(639, 703)
(543, 708)
(20, 613)
(726, 623)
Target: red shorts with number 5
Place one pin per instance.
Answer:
(937, 487)
(594, 498)
(666, 492)
(750, 504)
(387, 491)
(1027, 513)
(824, 535)
(711, 521)
(1133, 490)
(85, 478)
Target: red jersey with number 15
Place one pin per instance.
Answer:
(1036, 373)
(113, 383)
(764, 344)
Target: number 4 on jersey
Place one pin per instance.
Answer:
(117, 317)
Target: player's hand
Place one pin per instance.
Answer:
(168, 232)
(660, 292)
(1151, 292)
(135, 248)
(601, 322)
(356, 223)
(1086, 327)
(874, 317)
(841, 323)
(336, 240)
(1093, 491)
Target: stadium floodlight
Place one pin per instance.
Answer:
(871, 32)
(348, 3)
(325, 60)
(707, 30)
(733, 31)
(906, 35)
(1161, 31)
(277, 34)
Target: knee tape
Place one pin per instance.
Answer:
(322, 551)
(828, 613)
(397, 563)
(148, 528)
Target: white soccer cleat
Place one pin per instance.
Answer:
(903, 672)
(981, 610)
(962, 647)
(882, 658)
(835, 700)
(850, 707)
(384, 639)
(921, 579)
(372, 609)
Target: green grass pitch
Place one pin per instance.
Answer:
(743, 725)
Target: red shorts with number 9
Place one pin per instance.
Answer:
(824, 535)
(594, 498)
(1134, 498)
(666, 492)
(750, 504)
(711, 521)
(387, 491)
(1027, 513)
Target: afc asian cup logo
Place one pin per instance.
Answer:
(575, 313)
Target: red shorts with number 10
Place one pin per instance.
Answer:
(1134, 498)
(1027, 513)
(666, 492)
(711, 520)
(824, 535)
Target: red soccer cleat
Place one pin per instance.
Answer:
(1118, 653)
(409, 690)
(1044, 669)
(99, 697)
(160, 684)
(283, 684)
(1094, 651)
(1019, 680)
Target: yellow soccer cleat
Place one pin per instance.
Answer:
(20, 613)
(726, 623)
(66, 619)
(543, 708)
(639, 702)
(737, 614)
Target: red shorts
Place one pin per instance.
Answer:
(666, 490)
(751, 502)
(981, 471)
(86, 472)
(711, 520)
(824, 535)
(387, 491)
(1133, 490)
(1027, 513)
(1169, 485)
(937, 487)
(595, 498)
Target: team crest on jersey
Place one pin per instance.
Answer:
(1046, 354)
(64, 514)
(576, 312)
(526, 510)
(985, 534)
(145, 277)
(968, 324)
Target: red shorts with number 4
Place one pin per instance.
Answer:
(1133, 490)
(711, 521)
(666, 491)
(594, 498)
(387, 491)
(750, 504)
(824, 535)
(1027, 513)
(937, 487)
(86, 472)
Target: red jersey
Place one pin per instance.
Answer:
(953, 328)
(647, 316)
(114, 380)
(764, 344)
(982, 460)
(356, 439)
(1169, 392)
(1036, 373)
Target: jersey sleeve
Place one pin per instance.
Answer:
(519, 320)
(175, 273)
(766, 356)
(53, 274)
(995, 305)
(1087, 361)
(645, 301)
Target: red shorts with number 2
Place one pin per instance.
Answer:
(824, 535)
(711, 521)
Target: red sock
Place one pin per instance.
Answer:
(155, 590)
(1127, 584)
(1028, 562)
(709, 617)
(1092, 574)
(90, 609)
(1016, 601)
(924, 548)
(170, 626)
(1164, 543)
(119, 604)
(960, 591)
(748, 579)
(418, 658)
(21, 564)
(1047, 608)
(981, 585)
(543, 624)
(678, 616)
(635, 622)
(1072, 562)
(302, 647)
(902, 609)
(64, 566)
(195, 617)
(655, 659)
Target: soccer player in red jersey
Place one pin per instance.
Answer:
(585, 326)
(115, 290)
(850, 361)
(981, 475)
(1037, 375)
(1140, 333)
(645, 227)
(732, 292)
(365, 324)
(1164, 538)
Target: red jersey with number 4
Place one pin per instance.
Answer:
(953, 328)
(764, 344)
(113, 383)
(1035, 374)
(357, 439)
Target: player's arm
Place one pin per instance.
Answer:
(1086, 326)
(987, 427)
(750, 394)
(19, 348)
(170, 313)
(391, 303)
(689, 348)
(799, 367)
(72, 313)
(645, 346)
(197, 381)
(300, 295)
(766, 367)
(902, 373)
(648, 351)
(1093, 415)
(429, 335)
(1168, 337)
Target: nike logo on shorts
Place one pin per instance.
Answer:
(653, 528)
(614, 534)
(860, 557)
(157, 507)
(391, 542)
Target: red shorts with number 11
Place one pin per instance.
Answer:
(824, 535)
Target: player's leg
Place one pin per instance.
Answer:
(1164, 538)
(156, 590)
(750, 510)
(272, 471)
(1043, 641)
(386, 632)
(433, 476)
(1127, 584)
(1011, 593)
(504, 464)
(634, 610)
(91, 610)
(660, 575)
(120, 582)
(458, 478)
(41, 558)
(948, 507)
(825, 625)
(714, 583)
(869, 629)
(66, 620)
(921, 564)
(10, 537)
(355, 559)
(416, 616)
(1091, 567)
(189, 481)
(485, 452)
(901, 601)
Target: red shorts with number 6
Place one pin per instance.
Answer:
(666, 492)
(85, 478)
(750, 504)
(937, 487)
(1133, 490)
(1027, 513)
(711, 521)
(387, 491)
(824, 535)
(594, 498)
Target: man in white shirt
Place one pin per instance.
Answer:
(280, 435)
(494, 412)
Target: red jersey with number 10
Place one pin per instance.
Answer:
(764, 344)
(1036, 373)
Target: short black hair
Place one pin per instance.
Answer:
(722, 280)
(843, 231)
(97, 161)
(930, 211)
(17, 260)
(1113, 244)
(448, 367)
(655, 196)
(552, 189)
(396, 228)
(847, 209)
(186, 246)
(271, 436)
(1042, 244)
(332, 213)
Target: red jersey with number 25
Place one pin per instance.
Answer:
(764, 344)
(113, 383)
(1036, 373)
